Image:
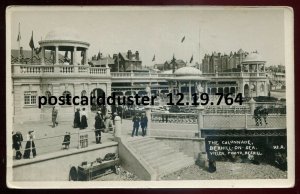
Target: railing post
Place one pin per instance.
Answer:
(148, 115)
(200, 110)
(252, 106)
(118, 129)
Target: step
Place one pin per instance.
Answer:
(148, 148)
(157, 153)
(140, 139)
(175, 166)
(166, 159)
(147, 144)
(152, 151)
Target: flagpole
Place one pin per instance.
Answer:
(199, 49)
(19, 43)
(32, 51)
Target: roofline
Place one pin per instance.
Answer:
(64, 41)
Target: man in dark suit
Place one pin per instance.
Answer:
(136, 124)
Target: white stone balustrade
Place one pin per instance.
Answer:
(20, 69)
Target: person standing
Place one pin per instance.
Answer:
(77, 118)
(144, 124)
(84, 119)
(17, 144)
(54, 117)
(98, 127)
(136, 124)
(30, 146)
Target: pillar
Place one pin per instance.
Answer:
(200, 110)
(74, 56)
(56, 56)
(118, 129)
(179, 87)
(190, 91)
(256, 87)
(43, 56)
(86, 57)
(148, 115)
(252, 105)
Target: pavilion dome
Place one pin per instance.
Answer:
(253, 57)
(63, 34)
(187, 71)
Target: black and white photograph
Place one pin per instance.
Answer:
(149, 97)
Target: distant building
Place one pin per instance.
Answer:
(126, 62)
(102, 62)
(216, 62)
(168, 65)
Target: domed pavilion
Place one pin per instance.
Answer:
(65, 40)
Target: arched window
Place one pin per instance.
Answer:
(48, 95)
(66, 93)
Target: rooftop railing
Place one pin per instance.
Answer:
(21, 69)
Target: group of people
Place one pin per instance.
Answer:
(30, 151)
(259, 114)
(139, 120)
(80, 119)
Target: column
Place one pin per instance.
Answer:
(118, 129)
(72, 58)
(56, 56)
(179, 87)
(200, 110)
(74, 61)
(86, 57)
(43, 56)
(257, 73)
(190, 91)
(256, 89)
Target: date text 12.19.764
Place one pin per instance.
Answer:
(204, 99)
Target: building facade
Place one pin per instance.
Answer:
(50, 76)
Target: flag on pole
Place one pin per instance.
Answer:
(19, 34)
(183, 39)
(153, 59)
(192, 58)
(31, 43)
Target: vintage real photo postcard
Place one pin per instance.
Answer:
(150, 97)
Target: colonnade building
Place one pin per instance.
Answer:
(74, 76)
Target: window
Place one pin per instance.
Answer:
(30, 97)
(48, 95)
(66, 93)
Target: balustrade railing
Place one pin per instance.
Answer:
(223, 120)
(54, 69)
(180, 118)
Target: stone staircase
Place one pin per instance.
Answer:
(159, 156)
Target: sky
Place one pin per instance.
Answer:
(158, 31)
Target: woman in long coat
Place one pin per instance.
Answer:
(84, 119)
(77, 118)
(30, 146)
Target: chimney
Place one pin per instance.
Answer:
(137, 55)
(129, 54)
